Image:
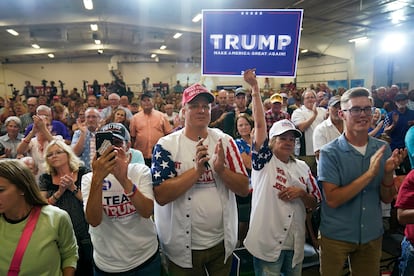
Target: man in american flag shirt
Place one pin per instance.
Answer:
(196, 173)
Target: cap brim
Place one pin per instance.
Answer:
(208, 95)
(119, 136)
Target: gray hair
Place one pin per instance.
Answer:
(43, 108)
(13, 119)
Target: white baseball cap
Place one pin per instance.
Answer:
(282, 126)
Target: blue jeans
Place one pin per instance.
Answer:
(283, 266)
(151, 268)
(407, 258)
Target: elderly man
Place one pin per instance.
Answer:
(83, 142)
(196, 172)
(27, 118)
(306, 118)
(329, 129)
(114, 102)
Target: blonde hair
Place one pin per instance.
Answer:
(74, 161)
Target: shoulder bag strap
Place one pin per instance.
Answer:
(14, 268)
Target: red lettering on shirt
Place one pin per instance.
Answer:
(121, 210)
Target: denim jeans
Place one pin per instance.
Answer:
(407, 258)
(152, 268)
(283, 266)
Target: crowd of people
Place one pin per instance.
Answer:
(190, 175)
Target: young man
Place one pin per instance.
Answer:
(196, 171)
(356, 172)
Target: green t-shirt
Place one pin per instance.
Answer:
(51, 248)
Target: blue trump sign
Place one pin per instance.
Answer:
(268, 40)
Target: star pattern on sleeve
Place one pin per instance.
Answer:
(163, 166)
(262, 157)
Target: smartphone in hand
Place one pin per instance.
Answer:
(103, 141)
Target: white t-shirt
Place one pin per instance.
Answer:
(124, 239)
(303, 114)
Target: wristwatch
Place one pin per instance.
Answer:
(74, 192)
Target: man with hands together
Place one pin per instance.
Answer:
(118, 200)
(196, 173)
(356, 171)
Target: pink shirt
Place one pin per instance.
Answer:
(147, 129)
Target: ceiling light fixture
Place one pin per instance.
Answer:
(177, 35)
(98, 42)
(94, 27)
(304, 51)
(35, 46)
(358, 39)
(88, 4)
(12, 32)
(163, 47)
(197, 18)
(153, 55)
(100, 51)
(51, 55)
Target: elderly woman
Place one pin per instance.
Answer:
(284, 189)
(25, 215)
(61, 185)
(12, 138)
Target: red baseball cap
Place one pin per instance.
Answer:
(195, 90)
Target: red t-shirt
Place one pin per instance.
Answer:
(405, 200)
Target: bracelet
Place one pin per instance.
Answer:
(132, 193)
(54, 197)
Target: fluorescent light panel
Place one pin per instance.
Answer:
(51, 55)
(100, 51)
(197, 18)
(94, 27)
(153, 55)
(358, 39)
(88, 4)
(35, 46)
(163, 47)
(98, 42)
(12, 32)
(304, 51)
(177, 35)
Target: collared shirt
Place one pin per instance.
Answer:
(85, 155)
(324, 133)
(175, 221)
(11, 143)
(303, 114)
(359, 220)
(271, 117)
(273, 221)
(147, 129)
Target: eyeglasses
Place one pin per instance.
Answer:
(58, 152)
(356, 111)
